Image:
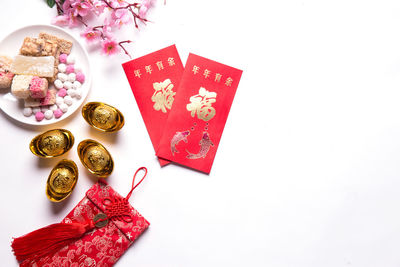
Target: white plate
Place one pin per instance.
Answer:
(10, 46)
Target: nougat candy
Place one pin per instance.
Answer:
(6, 75)
(50, 98)
(38, 87)
(37, 66)
(31, 102)
(20, 86)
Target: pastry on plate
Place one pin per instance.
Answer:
(6, 75)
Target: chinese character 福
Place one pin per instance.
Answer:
(202, 104)
(163, 96)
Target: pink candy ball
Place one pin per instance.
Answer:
(80, 77)
(62, 92)
(63, 58)
(39, 116)
(70, 69)
(57, 113)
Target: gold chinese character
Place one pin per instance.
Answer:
(171, 61)
(148, 69)
(201, 104)
(217, 77)
(195, 69)
(163, 96)
(137, 73)
(206, 73)
(159, 65)
(228, 81)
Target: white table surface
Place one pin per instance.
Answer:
(307, 172)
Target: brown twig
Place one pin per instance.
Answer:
(123, 48)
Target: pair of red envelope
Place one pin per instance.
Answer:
(184, 109)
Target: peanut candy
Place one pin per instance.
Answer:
(64, 45)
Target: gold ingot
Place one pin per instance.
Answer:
(95, 157)
(62, 180)
(103, 117)
(52, 143)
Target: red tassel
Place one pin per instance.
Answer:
(48, 240)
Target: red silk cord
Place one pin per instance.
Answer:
(118, 208)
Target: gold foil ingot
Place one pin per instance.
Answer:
(103, 117)
(95, 157)
(62, 180)
(52, 143)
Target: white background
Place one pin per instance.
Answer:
(307, 171)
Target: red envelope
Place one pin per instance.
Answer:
(154, 81)
(195, 124)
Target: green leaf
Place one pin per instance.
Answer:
(51, 3)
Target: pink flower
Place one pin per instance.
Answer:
(81, 7)
(110, 47)
(144, 7)
(64, 20)
(118, 3)
(98, 7)
(107, 28)
(66, 6)
(69, 17)
(61, 20)
(72, 21)
(142, 11)
(120, 17)
(90, 35)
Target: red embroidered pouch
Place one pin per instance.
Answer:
(112, 225)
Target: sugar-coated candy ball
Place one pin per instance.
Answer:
(80, 77)
(64, 107)
(44, 108)
(58, 84)
(68, 100)
(71, 77)
(77, 68)
(67, 85)
(58, 113)
(62, 76)
(27, 112)
(48, 114)
(39, 116)
(71, 92)
(70, 69)
(62, 67)
(62, 93)
(53, 107)
(63, 58)
(35, 110)
(78, 93)
(60, 100)
(76, 85)
(70, 59)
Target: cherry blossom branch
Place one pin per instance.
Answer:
(123, 48)
(120, 44)
(74, 13)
